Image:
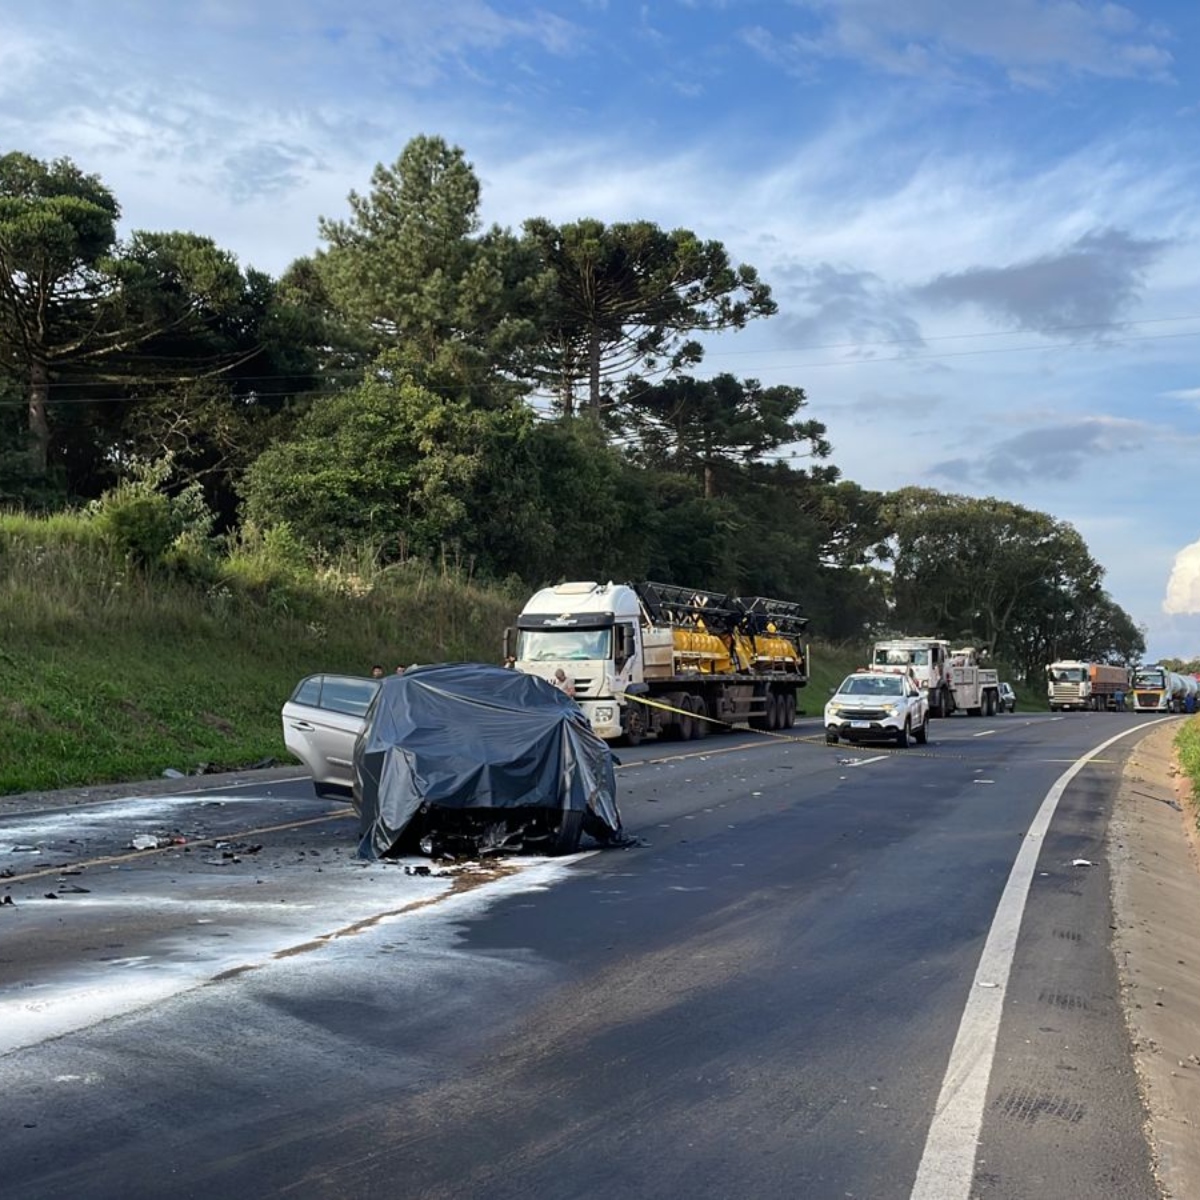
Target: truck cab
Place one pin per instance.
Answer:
(592, 632)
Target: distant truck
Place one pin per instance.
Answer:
(1157, 689)
(656, 658)
(952, 679)
(1084, 686)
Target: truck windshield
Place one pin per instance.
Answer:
(560, 645)
(901, 658)
(1069, 674)
(1149, 679)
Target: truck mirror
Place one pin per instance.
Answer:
(509, 640)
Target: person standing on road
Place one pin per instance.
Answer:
(1119, 700)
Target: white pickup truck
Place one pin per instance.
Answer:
(873, 706)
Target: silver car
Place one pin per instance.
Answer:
(321, 721)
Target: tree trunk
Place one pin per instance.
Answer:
(39, 421)
(594, 372)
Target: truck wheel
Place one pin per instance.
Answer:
(790, 709)
(565, 839)
(634, 725)
(701, 729)
(921, 733)
(902, 736)
(772, 717)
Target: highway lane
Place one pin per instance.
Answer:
(759, 1000)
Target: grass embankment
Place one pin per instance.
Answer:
(1187, 746)
(108, 673)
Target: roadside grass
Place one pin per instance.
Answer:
(110, 673)
(1187, 746)
(829, 664)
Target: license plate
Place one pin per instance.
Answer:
(860, 724)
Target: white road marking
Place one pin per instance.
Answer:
(863, 762)
(948, 1163)
(984, 733)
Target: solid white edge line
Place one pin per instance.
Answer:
(984, 733)
(948, 1162)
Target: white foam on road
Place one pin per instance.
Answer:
(86, 994)
(948, 1163)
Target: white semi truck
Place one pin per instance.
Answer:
(953, 679)
(653, 658)
(1072, 684)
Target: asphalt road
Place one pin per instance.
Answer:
(779, 992)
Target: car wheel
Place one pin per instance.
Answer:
(831, 739)
(922, 732)
(565, 839)
(902, 736)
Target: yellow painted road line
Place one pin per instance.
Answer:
(110, 859)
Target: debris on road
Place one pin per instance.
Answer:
(173, 773)
(7, 900)
(1082, 862)
(144, 841)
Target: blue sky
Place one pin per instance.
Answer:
(979, 218)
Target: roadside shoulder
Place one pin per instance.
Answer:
(1156, 901)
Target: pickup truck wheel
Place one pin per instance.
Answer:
(831, 739)
(921, 733)
(902, 736)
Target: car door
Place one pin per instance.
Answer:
(321, 722)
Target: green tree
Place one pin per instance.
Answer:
(700, 426)
(57, 229)
(981, 569)
(413, 268)
(627, 299)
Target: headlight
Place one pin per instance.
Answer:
(603, 715)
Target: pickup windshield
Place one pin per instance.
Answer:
(563, 645)
(872, 685)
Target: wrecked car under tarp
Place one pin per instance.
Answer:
(464, 758)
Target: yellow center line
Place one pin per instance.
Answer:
(110, 859)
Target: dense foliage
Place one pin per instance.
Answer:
(525, 403)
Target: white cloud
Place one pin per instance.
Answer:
(1183, 586)
(1029, 38)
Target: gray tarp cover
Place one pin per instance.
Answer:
(471, 736)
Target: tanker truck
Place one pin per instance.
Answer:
(1071, 684)
(656, 658)
(1157, 689)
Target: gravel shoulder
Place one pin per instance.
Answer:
(1155, 856)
